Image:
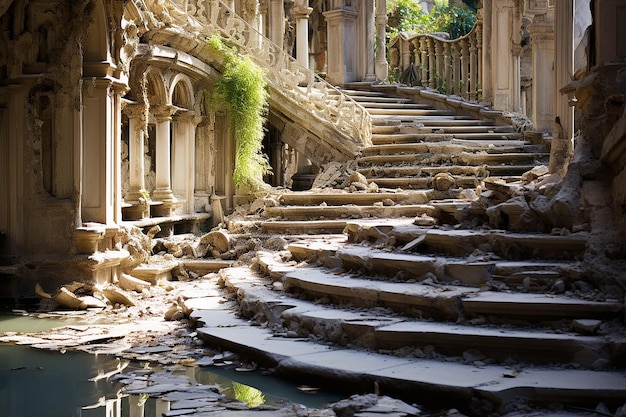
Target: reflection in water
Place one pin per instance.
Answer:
(44, 383)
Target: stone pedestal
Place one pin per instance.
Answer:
(86, 239)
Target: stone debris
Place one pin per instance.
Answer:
(373, 405)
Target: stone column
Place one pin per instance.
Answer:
(277, 22)
(301, 14)
(163, 190)
(99, 172)
(13, 137)
(487, 80)
(610, 31)
(183, 157)
(504, 63)
(136, 151)
(204, 154)
(563, 130)
(370, 38)
(341, 32)
(542, 38)
(382, 67)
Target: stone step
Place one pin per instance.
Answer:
(469, 141)
(439, 383)
(448, 302)
(484, 139)
(464, 158)
(489, 154)
(422, 171)
(444, 130)
(537, 307)
(386, 120)
(537, 347)
(402, 112)
(357, 198)
(390, 332)
(479, 272)
(397, 125)
(454, 146)
(394, 105)
(382, 99)
(423, 183)
(348, 211)
(459, 242)
(409, 299)
(311, 227)
(417, 160)
(358, 93)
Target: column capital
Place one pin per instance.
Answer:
(163, 112)
(134, 110)
(187, 116)
(301, 12)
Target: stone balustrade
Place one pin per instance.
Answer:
(296, 83)
(448, 66)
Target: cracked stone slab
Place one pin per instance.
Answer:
(537, 306)
(434, 300)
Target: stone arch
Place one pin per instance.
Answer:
(183, 140)
(95, 47)
(155, 87)
(181, 92)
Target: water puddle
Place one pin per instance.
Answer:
(36, 382)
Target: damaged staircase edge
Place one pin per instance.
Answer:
(437, 382)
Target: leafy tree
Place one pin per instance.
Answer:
(408, 16)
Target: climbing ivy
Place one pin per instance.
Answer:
(242, 92)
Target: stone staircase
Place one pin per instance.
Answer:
(388, 283)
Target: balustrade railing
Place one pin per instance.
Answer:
(298, 84)
(448, 66)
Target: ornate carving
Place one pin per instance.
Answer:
(294, 82)
(454, 66)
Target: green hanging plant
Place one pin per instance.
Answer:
(242, 92)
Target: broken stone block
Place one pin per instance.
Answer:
(356, 178)
(117, 296)
(443, 181)
(68, 299)
(499, 188)
(174, 313)
(425, 220)
(534, 173)
(130, 283)
(218, 239)
(586, 326)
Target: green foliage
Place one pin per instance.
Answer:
(242, 92)
(408, 16)
(251, 396)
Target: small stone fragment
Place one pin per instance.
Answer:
(425, 220)
(586, 326)
(443, 181)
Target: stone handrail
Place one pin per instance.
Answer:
(299, 85)
(448, 66)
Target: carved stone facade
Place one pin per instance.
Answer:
(105, 114)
